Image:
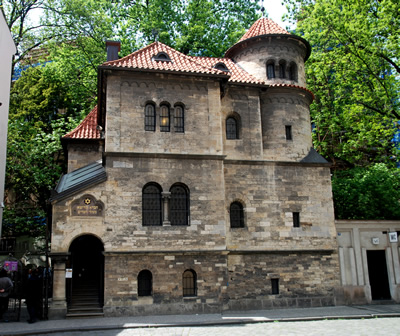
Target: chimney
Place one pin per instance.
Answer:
(113, 47)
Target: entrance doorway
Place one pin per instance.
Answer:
(378, 275)
(86, 288)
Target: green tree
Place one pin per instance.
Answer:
(367, 193)
(354, 73)
(197, 27)
(42, 109)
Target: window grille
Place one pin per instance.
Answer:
(179, 206)
(150, 118)
(164, 118)
(236, 215)
(151, 205)
(179, 119)
(189, 283)
(145, 279)
(231, 128)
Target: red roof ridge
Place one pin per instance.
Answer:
(143, 59)
(263, 26)
(87, 129)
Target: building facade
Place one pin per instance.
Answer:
(369, 260)
(193, 186)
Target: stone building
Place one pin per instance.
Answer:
(369, 260)
(193, 186)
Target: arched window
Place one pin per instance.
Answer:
(179, 119)
(151, 205)
(282, 69)
(232, 128)
(164, 118)
(236, 215)
(179, 205)
(293, 71)
(221, 66)
(150, 118)
(162, 57)
(189, 283)
(270, 70)
(145, 283)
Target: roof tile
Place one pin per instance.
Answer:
(87, 129)
(263, 26)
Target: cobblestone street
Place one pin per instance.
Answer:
(367, 327)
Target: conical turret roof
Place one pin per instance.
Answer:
(263, 26)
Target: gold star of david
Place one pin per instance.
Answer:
(87, 201)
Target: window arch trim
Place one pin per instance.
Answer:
(189, 283)
(145, 283)
(151, 204)
(179, 204)
(236, 215)
(179, 118)
(150, 117)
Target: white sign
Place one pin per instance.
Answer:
(68, 273)
(393, 237)
(375, 241)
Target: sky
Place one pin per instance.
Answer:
(275, 10)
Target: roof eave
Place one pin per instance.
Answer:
(174, 72)
(229, 52)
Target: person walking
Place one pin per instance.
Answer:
(5, 289)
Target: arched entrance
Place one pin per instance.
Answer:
(86, 287)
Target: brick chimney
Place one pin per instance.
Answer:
(113, 47)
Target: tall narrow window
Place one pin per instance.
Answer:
(179, 205)
(282, 69)
(293, 72)
(189, 283)
(274, 286)
(231, 128)
(145, 283)
(151, 205)
(236, 215)
(270, 70)
(164, 118)
(288, 130)
(150, 118)
(296, 219)
(179, 121)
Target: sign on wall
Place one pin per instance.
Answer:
(87, 206)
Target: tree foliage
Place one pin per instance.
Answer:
(367, 193)
(42, 109)
(354, 72)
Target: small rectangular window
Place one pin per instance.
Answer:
(275, 286)
(296, 219)
(288, 129)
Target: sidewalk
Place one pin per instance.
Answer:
(293, 314)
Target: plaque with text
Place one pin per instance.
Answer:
(87, 206)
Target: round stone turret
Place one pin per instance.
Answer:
(271, 54)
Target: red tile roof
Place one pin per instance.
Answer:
(87, 129)
(263, 26)
(237, 74)
(144, 59)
